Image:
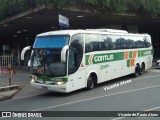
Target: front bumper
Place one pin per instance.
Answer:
(55, 88)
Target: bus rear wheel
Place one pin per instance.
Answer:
(137, 71)
(142, 69)
(90, 83)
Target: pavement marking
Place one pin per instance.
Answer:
(119, 118)
(93, 98)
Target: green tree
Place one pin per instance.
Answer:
(139, 7)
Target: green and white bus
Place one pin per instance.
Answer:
(68, 60)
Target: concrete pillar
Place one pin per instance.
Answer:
(19, 54)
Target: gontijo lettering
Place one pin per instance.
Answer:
(103, 58)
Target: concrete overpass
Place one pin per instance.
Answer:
(20, 31)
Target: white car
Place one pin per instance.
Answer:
(158, 63)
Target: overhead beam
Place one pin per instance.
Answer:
(22, 14)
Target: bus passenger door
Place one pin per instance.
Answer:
(76, 69)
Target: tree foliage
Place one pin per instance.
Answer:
(152, 7)
(139, 7)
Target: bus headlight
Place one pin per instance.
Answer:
(59, 83)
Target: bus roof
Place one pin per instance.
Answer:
(95, 31)
(60, 32)
(108, 30)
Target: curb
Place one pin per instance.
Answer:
(8, 92)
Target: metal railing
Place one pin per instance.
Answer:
(6, 62)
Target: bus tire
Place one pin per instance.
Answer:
(142, 69)
(90, 83)
(137, 71)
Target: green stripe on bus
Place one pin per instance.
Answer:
(65, 79)
(87, 59)
(130, 54)
(108, 57)
(128, 63)
(145, 53)
(101, 58)
(139, 53)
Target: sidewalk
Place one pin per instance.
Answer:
(20, 80)
(8, 92)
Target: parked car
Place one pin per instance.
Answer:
(158, 63)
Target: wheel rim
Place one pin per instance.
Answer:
(137, 71)
(90, 83)
(142, 69)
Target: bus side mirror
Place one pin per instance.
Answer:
(63, 53)
(24, 51)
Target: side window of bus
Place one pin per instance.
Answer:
(91, 43)
(121, 42)
(129, 42)
(114, 38)
(139, 42)
(111, 42)
(106, 43)
(77, 42)
(147, 41)
(75, 52)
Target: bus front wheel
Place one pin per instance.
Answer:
(90, 83)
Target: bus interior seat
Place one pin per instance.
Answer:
(88, 47)
(113, 46)
(104, 46)
(95, 46)
(139, 44)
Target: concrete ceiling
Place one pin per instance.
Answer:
(25, 29)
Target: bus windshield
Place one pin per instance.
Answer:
(46, 57)
(57, 41)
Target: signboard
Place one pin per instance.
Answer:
(7, 71)
(63, 21)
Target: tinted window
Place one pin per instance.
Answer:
(130, 42)
(77, 42)
(58, 41)
(113, 42)
(106, 43)
(139, 42)
(91, 42)
(121, 43)
(147, 41)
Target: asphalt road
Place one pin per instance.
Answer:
(123, 94)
